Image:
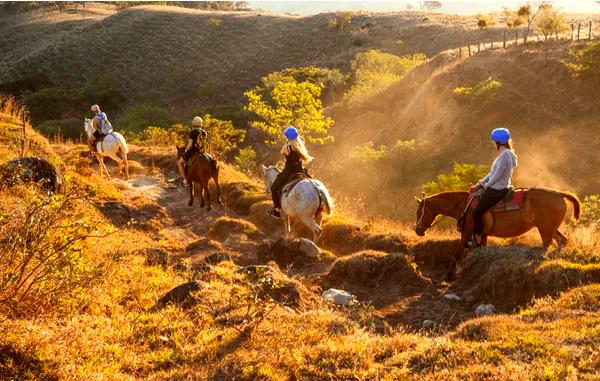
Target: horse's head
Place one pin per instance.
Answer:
(425, 215)
(270, 176)
(180, 152)
(88, 127)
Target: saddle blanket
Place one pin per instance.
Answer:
(512, 201)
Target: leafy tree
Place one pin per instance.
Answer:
(586, 63)
(528, 12)
(332, 81)
(340, 21)
(461, 178)
(49, 103)
(483, 22)
(375, 71)
(550, 21)
(290, 103)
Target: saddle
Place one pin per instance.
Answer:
(293, 180)
(512, 201)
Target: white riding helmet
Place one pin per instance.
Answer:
(197, 121)
(95, 108)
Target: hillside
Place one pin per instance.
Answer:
(552, 115)
(256, 312)
(168, 54)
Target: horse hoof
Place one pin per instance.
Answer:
(190, 203)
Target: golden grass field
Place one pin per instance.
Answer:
(255, 311)
(269, 322)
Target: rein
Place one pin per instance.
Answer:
(439, 217)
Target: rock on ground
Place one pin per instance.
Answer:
(340, 297)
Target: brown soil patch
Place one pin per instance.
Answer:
(435, 258)
(343, 237)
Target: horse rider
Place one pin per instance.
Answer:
(102, 126)
(197, 143)
(296, 156)
(497, 183)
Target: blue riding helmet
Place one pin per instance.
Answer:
(501, 135)
(291, 133)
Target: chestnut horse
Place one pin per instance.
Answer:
(200, 171)
(542, 208)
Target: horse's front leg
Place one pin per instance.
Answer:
(191, 185)
(286, 225)
(103, 167)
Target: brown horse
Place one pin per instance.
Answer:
(542, 208)
(200, 171)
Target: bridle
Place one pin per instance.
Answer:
(437, 219)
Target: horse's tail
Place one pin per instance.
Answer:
(575, 201)
(326, 198)
(122, 143)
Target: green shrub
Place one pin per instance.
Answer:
(41, 250)
(586, 63)
(138, 117)
(485, 92)
(340, 21)
(71, 128)
(49, 103)
(246, 160)
(223, 138)
(461, 178)
(375, 71)
(591, 209)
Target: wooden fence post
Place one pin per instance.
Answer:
(572, 31)
(516, 37)
(460, 52)
(578, 31)
(478, 46)
(469, 50)
(590, 32)
(504, 39)
(492, 44)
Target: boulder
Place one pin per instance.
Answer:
(485, 310)
(33, 169)
(453, 297)
(339, 297)
(428, 324)
(180, 295)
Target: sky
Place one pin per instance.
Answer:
(456, 7)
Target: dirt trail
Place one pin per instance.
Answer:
(400, 278)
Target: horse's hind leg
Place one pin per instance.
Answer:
(207, 192)
(216, 179)
(125, 165)
(191, 186)
(312, 225)
(560, 238)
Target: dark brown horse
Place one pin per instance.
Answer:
(542, 208)
(200, 171)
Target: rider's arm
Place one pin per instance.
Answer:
(189, 145)
(285, 150)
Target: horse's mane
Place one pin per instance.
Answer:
(446, 193)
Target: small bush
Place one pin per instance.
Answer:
(41, 250)
(591, 210)
(484, 93)
(223, 138)
(214, 21)
(70, 128)
(246, 160)
(340, 21)
(586, 63)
